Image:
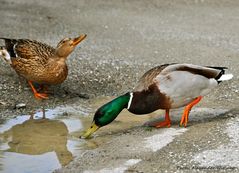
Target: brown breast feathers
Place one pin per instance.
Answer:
(149, 100)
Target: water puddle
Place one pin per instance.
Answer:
(39, 145)
(43, 145)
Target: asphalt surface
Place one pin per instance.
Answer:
(125, 39)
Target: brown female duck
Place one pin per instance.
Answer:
(38, 62)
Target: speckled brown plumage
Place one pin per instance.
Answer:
(39, 62)
(148, 78)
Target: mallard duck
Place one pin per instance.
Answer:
(168, 86)
(38, 62)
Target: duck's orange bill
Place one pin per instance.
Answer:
(77, 40)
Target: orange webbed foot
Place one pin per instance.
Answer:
(165, 123)
(40, 95)
(184, 119)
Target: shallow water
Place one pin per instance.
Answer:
(38, 145)
(43, 145)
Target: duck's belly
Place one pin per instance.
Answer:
(51, 79)
(181, 101)
(42, 75)
(184, 87)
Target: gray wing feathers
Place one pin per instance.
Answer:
(208, 72)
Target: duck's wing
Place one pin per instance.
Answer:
(25, 48)
(206, 71)
(184, 82)
(181, 83)
(165, 71)
(149, 77)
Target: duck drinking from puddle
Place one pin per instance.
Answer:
(168, 86)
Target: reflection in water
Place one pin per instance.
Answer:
(38, 145)
(36, 137)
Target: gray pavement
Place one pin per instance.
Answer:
(125, 39)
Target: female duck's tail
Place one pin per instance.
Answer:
(5, 54)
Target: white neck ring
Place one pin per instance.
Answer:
(130, 100)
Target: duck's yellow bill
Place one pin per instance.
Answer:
(90, 131)
(78, 39)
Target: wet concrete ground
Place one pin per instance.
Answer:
(125, 39)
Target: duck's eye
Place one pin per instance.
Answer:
(66, 39)
(3, 54)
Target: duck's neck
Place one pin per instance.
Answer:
(112, 109)
(57, 61)
(63, 52)
(119, 103)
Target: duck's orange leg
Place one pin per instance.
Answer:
(166, 122)
(36, 94)
(184, 119)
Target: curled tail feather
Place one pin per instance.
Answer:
(225, 77)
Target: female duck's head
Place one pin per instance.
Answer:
(107, 113)
(67, 45)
